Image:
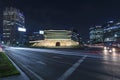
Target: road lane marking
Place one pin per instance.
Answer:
(18, 68)
(72, 69)
(41, 62)
(37, 76)
(23, 66)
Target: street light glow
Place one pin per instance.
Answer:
(41, 32)
(113, 49)
(21, 29)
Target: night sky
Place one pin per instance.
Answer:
(65, 14)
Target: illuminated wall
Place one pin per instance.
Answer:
(53, 43)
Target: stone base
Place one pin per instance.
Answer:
(56, 43)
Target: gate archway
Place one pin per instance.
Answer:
(57, 43)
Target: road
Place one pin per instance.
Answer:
(55, 64)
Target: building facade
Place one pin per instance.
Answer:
(96, 34)
(13, 26)
(36, 36)
(108, 34)
(112, 33)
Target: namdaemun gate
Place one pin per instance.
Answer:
(56, 38)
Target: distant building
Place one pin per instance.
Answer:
(76, 37)
(112, 33)
(13, 26)
(109, 34)
(36, 36)
(96, 34)
(56, 38)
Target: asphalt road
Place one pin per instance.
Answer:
(52, 64)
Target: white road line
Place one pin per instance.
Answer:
(72, 69)
(41, 62)
(37, 76)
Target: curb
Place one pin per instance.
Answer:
(17, 67)
(28, 72)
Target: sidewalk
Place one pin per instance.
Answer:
(22, 75)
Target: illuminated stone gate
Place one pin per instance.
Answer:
(56, 38)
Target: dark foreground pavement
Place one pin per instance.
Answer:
(46, 64)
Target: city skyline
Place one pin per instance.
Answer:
(65, 14)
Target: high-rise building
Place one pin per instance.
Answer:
(13, 26)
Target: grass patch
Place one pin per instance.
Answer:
(6, 67)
